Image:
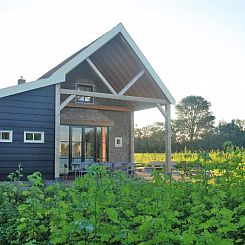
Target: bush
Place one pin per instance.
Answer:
(103, 209)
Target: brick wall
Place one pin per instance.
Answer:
(118, 122)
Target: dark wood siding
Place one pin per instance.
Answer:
(29, 111)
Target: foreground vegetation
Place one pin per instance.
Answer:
(103, 209)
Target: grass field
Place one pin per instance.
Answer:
(190, 157)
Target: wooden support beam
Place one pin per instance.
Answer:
(132, 137)
(67, 101)
(131, 83)
(57, 132)
(162, 110)
(168, 137)
(98, 107)
(114, 96)
(101, 76)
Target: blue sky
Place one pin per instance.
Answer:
(196, 47)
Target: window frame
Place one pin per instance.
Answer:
(41, 141)
(10, 140)
(120, 144)
(77, 97)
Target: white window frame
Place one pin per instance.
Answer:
(116, 142)
(10, 136)
(34, 141)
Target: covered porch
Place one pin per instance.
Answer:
(102, 86)
(88, 145)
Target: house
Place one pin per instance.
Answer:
(82, 109)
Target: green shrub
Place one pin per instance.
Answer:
(103, 209)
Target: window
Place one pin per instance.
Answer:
(84, 99)
(118, 141)
(64, 149)
(33, 137)
(6, 135)
(82, 144)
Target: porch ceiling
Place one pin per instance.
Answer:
(118, 63)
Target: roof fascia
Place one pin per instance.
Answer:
(61, 72)
(59, 75)
(147, 64)
(4, 92)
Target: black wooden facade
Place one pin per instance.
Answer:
(33, 110)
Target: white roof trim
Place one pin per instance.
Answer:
(59, 75)
(61, 72)
(147, 65)
(17, 89)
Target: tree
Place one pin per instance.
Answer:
(233, 131)
(150, 138)
(194, 119)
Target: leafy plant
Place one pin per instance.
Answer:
(202, 208)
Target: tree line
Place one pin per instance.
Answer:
(194, 128)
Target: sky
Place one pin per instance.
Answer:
(195, 46)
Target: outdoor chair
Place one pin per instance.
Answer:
(131, 169)
(140, 167)
(84, 168)
(157, 165)
(117, 166)
(162, 165)
(108, 166)
(64, 171)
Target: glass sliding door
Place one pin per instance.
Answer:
(77, 143)
(64, 148)
(82, 143)
(89, 144)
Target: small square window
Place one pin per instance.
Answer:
(33, 137)
(37, 136)
(86, 88)
(118, 141)
(6, 136)
(29, 136)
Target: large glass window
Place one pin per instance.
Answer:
(64, 148)
(82, 143)
(76, 144)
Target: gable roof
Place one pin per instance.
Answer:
(58, 73)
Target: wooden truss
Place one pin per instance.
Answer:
(166, 111)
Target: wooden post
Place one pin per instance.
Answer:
(168, 136)
(132, 137)
(103, 144)
(57, 132)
